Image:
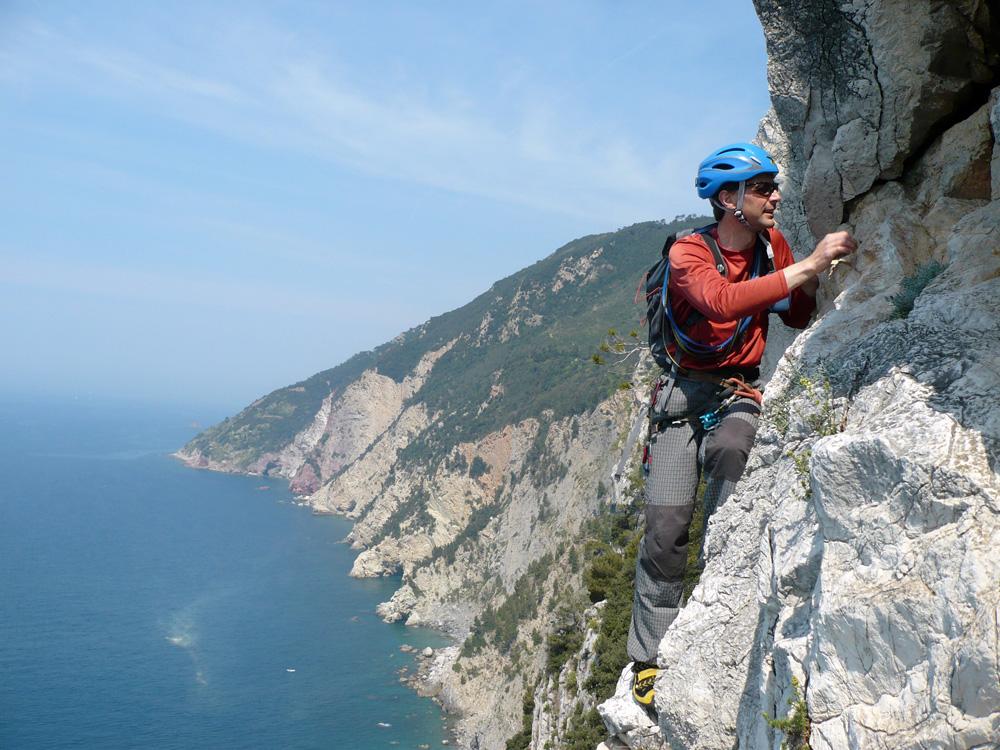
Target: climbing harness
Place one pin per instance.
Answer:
(733, 388)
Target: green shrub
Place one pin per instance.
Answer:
(522, 740)
(573, 558)
(796, 726)
(585, 730)
(563, 643)
(818, 409)
(801, 460)
(603, 573)
(912, 286)
(458, 463)
(821, 416)
(610, 648)
(478, 468)
(571, 683)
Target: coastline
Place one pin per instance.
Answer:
(424, 678)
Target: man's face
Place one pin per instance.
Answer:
(760, 201)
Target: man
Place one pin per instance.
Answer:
(705, 408)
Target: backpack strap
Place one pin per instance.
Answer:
(720, 263)
(705, 232)
(671, 239)
(765, 254)
(764, 243)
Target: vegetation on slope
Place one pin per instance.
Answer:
(270, 423)
(530, 336)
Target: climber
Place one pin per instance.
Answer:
(720, 287)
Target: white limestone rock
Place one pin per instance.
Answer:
(399, 606)
(859, 87)
(626, 721)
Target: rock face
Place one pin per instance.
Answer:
(861, 551)
(558, 696)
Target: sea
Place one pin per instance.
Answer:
(144, 604)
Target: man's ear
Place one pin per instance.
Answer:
(727, 198)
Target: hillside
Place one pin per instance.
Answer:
(475, 453)
(520, 349)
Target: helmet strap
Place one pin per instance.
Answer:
(738, 211)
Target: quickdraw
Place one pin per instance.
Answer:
(710, 420)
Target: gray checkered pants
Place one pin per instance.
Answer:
(678, 455)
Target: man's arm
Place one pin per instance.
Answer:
(694, 276)
(803, 299)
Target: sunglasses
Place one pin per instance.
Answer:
(763, 189)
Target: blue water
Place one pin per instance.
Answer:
(147, 605)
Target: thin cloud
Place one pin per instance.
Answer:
(532, 157)
(142, 73)
(535, 160)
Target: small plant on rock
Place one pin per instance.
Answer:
(811, 395)
(796, 724)
(801, 460)
(911, 287)
(821, 416)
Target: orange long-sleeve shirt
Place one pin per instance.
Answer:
(721, 301)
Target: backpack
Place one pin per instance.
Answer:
(664, 329)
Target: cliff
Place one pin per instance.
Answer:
(861, 552)
(472, 452)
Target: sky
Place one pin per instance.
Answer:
(203, 202)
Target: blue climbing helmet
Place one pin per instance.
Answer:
(737, 162)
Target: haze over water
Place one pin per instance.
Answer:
(147, 605)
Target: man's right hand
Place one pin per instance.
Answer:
(832, 247)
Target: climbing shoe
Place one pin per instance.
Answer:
(643, 677)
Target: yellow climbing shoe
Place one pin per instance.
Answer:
(643, 677)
